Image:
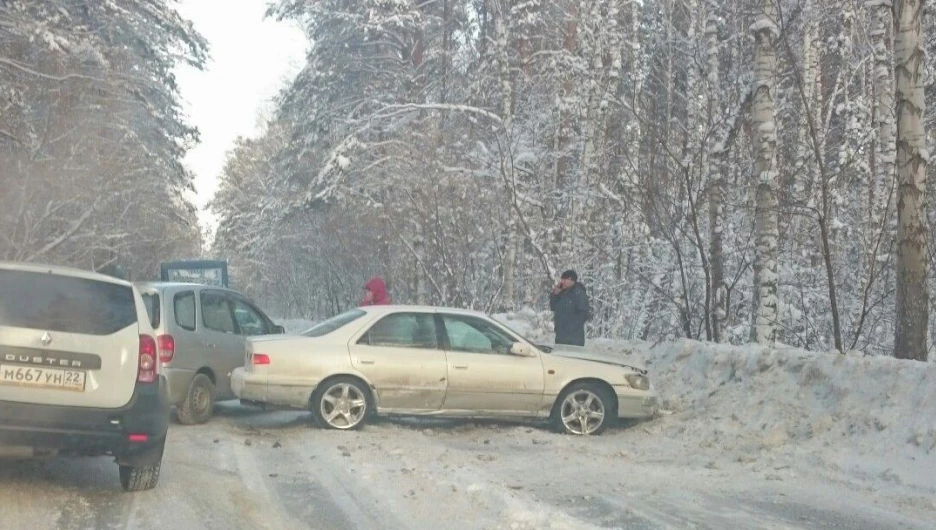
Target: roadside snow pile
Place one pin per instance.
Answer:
(532, 325)
(870, 419)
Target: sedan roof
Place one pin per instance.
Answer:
(387, 309)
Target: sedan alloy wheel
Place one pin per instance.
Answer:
(584, 410)
(341, 405)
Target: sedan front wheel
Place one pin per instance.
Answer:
(341, 403)
(584, 409)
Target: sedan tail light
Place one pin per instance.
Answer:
(259, 359)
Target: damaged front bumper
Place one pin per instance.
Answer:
(637, 406)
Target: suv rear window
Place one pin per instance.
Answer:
(60, 303)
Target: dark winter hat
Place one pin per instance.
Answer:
(569, 275)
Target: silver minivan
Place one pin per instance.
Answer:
(200, 335)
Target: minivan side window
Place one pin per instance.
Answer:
(216, 312)
(249, 320)
(183, 305)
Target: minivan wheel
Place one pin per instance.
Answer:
(340, 403)
(139, 478)
(198, 406)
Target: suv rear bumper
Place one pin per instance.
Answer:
(91, 431)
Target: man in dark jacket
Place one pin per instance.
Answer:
(569, 304)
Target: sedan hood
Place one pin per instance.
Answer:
(585, 354)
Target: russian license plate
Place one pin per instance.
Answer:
(72, 380)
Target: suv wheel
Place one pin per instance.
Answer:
(141, 478)
(198, 406)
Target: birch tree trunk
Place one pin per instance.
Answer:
(766, 33)
(912, 296)
(884, 110)
(563, 137)
(716, 169)
(503, 61)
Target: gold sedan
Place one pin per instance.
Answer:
(433, 361)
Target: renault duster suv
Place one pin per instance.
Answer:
(79, 373)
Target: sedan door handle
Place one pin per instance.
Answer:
(366, 361)
(460, 366)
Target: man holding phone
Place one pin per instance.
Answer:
(569, 304)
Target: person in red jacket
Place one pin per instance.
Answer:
(375, 292)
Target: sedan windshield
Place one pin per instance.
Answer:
(333, 323)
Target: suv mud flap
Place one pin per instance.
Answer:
(149, 455)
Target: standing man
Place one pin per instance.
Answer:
(569, 304)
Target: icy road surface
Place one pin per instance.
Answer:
(253, 470)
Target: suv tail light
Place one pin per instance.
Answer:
(260, 358)
(147, 368)
(166, 346)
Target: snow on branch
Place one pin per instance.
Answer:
(467, 109)
(23, 68)
(764, 23)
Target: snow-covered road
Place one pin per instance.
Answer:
(254, 470)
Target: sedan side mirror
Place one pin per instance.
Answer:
(278, 330)
(521, 349)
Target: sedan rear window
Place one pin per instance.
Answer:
(333, 323)
(60, 303)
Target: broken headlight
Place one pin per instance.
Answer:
(637, 381)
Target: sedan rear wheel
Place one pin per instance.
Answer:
(584, 409)
(341, 403)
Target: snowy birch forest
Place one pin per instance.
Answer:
(716, 169)
(724, 170)
(92, 135)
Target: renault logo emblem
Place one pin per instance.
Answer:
(46, 339)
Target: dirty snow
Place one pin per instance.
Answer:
(867, 421)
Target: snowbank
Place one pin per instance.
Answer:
(871, 417)
(533, 325)
(856, 418)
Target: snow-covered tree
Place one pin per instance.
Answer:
(713, 169)
(912, 158)
(92, 135)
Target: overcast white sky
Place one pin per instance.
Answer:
(251, 58)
